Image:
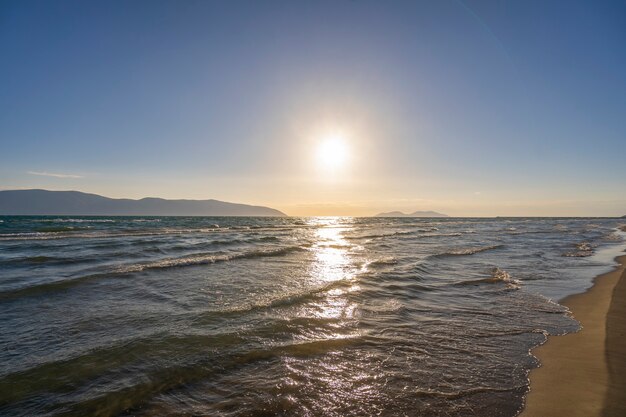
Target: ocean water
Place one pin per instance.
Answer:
(233, 316)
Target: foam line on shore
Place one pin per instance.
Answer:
(578, 377)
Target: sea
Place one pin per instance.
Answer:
(254, 316)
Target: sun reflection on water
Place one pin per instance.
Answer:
(334, 263)
(332, 258)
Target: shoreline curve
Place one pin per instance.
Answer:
(583, 374)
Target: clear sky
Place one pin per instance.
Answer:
(465, 107)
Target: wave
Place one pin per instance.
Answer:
(34, 260)
(78, 220)
(26, 236)
(375, 235)
(100, 234)
(173, 370)
(451, 234)
(337, 246)
(398, 233)
(286, 299)
(497, 276)
(190, 260)
(45, 233)
(463, 393)
(388, 306)
(268, 239)
(612, 237)
(211, 258)
(215, 242)
(467, 251)
(58, 229)
(583, 250)
(46, 287)
(289, 299)
(389, 260)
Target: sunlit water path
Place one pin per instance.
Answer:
(284, 316)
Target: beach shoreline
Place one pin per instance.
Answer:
(583, 373)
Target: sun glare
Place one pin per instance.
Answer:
(332, 152)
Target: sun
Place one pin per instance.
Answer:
(332, 152)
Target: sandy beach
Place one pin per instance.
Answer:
(584, 374)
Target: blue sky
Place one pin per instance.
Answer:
(467, 107)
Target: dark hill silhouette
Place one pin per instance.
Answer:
(43, 202)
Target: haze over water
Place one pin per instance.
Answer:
(284, 316)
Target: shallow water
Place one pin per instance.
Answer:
(284, 316)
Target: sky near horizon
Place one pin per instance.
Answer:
(471, 108)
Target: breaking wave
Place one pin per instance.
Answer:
(497, 276)
(583, 250)
(185, 261)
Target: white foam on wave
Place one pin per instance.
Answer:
(80, 221)
(389, 260)
(207, 258)
(469, 251)
(498, 276)
(583, 249)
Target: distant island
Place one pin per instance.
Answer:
(43, 202)
(414, 214)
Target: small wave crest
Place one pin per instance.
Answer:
(451, 234)
(92, 234)
(268, 239)
(583, 250)
(60, 229)
(191, 260)
(468, 251)
(292, 298)
(382, 262)
(497, 276)
(28, 260)
(427, 232)
(378, 235)
(210, 258)
(463, 393)
(79, 220)
(612, 237)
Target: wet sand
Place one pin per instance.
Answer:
(584, 373)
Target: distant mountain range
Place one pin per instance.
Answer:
(414, 214)
(43, 202)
